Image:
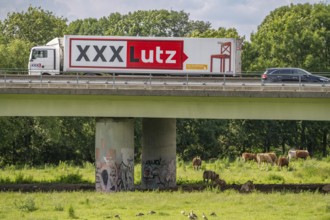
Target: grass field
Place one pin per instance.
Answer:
(238, 172)
(228, 204)
(167, 205)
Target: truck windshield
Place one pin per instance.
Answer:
(39, 54)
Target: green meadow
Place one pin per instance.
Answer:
(167, 205)
(233, 172)
(228, 204)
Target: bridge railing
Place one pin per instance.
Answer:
(152, 81)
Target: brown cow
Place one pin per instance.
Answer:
(264, 157)
(210, 175)
(273, 156)
(298, 154)
(249, 156)
(302, 154)
(220, 183)
(283, 161)
(197, 163)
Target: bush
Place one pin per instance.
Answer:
(71, 178)
(27, 205)
(21, 178)
(273, 178)
(4, 180)
(59, 207)
(72, 213)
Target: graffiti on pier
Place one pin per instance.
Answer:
(113, 176)
(159, 173)
(126, 169)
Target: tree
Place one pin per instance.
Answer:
(199, 137)
(158, 23)
(35, 25)
(21, 31)
(221, 32)
(199, 26)
(281, 41)
(77, 137)
(89, 26)
(15, 54)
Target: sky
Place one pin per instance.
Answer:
(244, 15)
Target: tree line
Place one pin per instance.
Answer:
(294, 35)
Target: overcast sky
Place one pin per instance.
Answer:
(244, 15)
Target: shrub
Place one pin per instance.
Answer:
(72, 213)
(273, 178)
(59, 207)
(70, 178)
(27, 205)
(88, 165)
(4, 180)
(212, 189)
(21, 178)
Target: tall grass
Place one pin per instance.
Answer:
(63, 173)
(228, 204)
(236, 172)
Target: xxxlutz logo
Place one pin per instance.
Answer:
(138, 54)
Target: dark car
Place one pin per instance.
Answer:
(291, 75)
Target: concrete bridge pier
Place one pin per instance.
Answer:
(158, 153)
(114, 154)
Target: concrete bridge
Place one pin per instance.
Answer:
(116, 107)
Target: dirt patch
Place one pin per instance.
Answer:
(266, 188)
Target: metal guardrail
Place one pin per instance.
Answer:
(154, 81)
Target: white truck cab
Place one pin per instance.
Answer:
(46, 60)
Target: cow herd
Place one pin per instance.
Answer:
(260, 158)
(271, 158)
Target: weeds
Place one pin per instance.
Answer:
(274, 178)
(70, 178)
(59, 207)
(71, 212)
(237, 171)
(5, 180)
(27, 205)
(86, 202)
(212, 189)
(21, 178)
(327, 208)
(228, 204)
